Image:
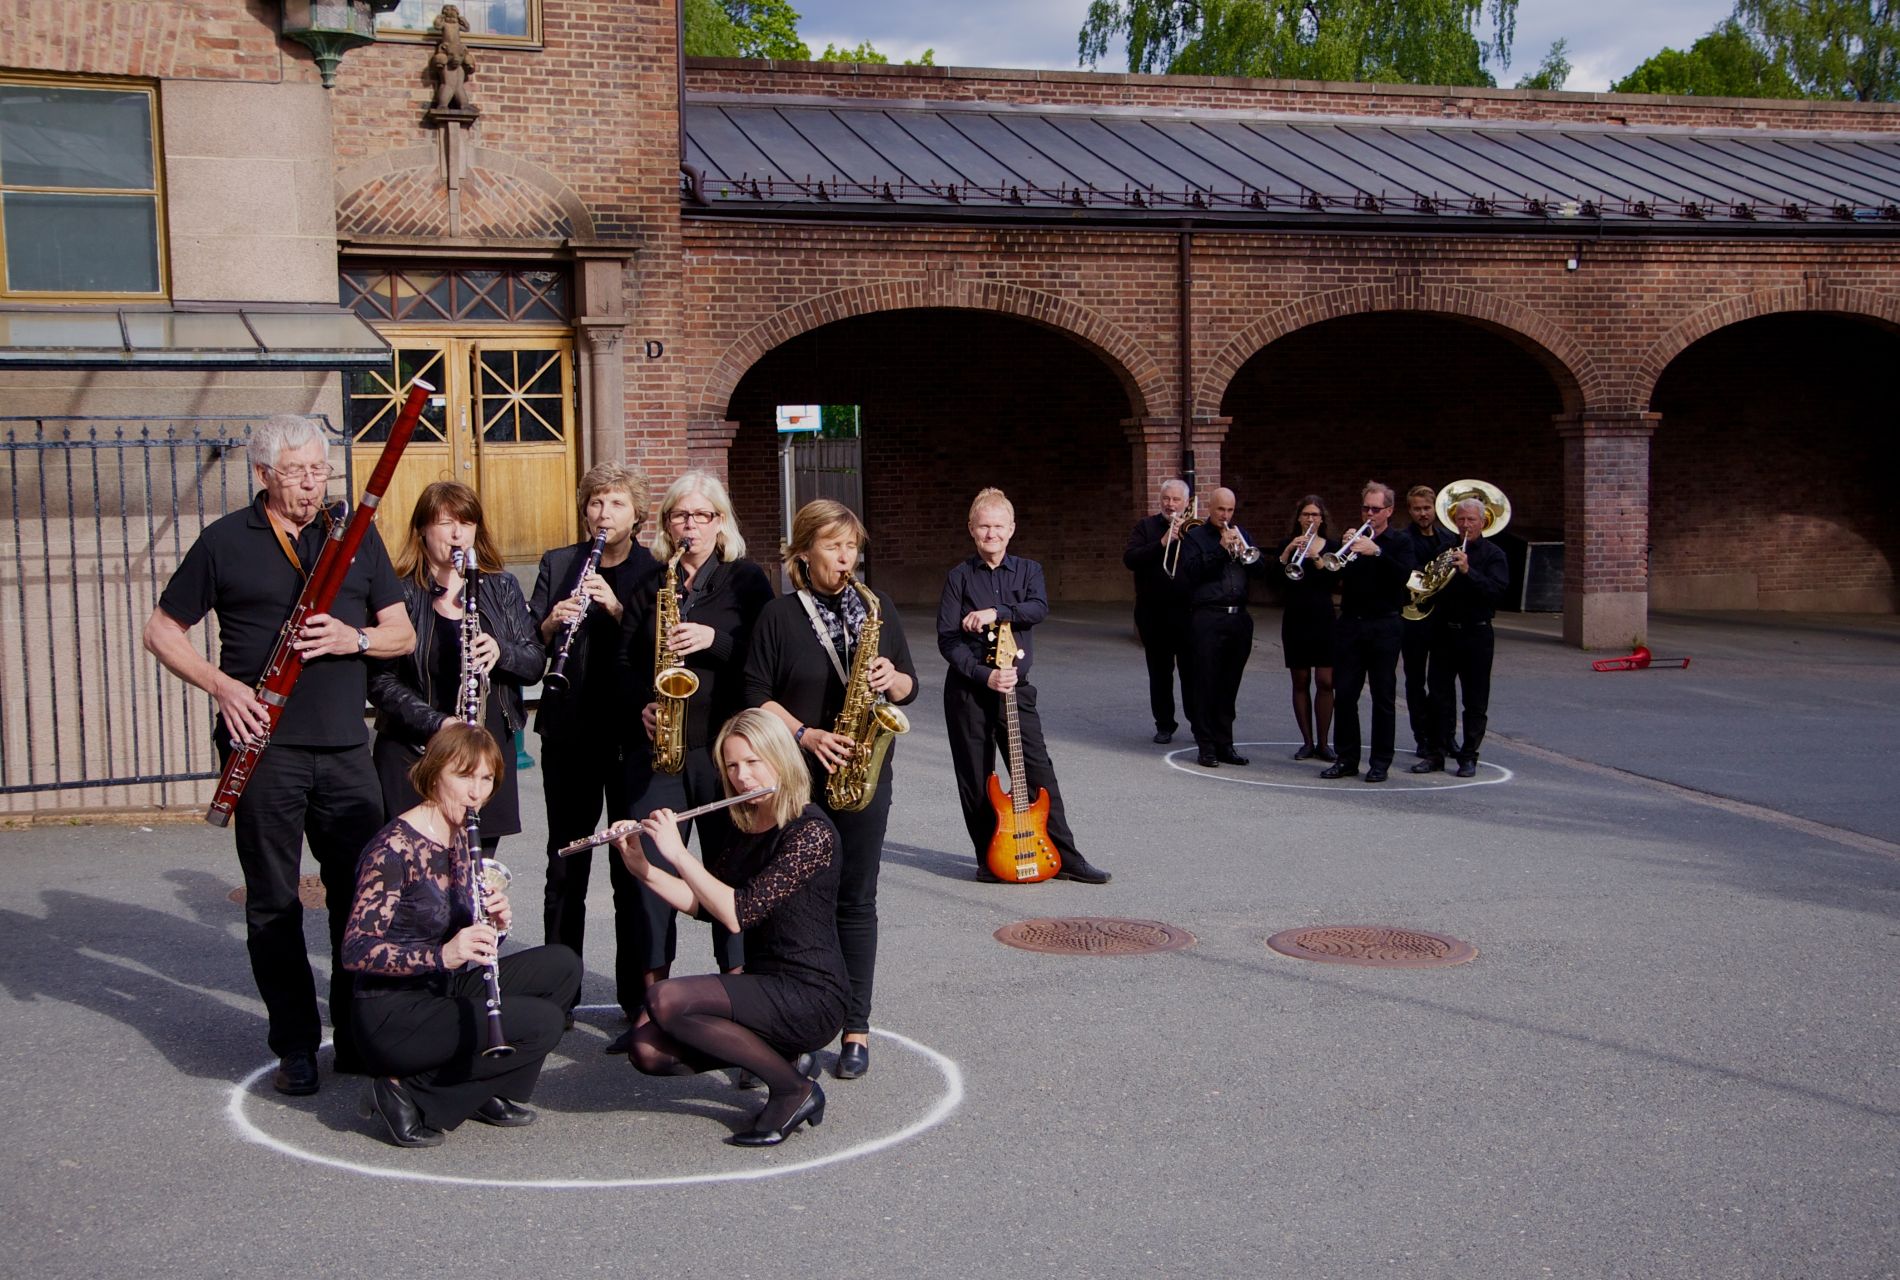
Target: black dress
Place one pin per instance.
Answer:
(1306, 628)
(794, 988)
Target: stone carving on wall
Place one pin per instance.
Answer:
(450, 64)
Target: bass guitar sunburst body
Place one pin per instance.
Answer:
(1020, 851)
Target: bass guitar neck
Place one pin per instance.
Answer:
(1020, 852)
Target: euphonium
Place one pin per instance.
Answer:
(867, 719)
(673, 684)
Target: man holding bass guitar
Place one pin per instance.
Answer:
(993, 587)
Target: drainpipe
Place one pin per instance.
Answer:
(695, 177)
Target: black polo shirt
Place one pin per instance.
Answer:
(1374, 586)
(1013, 588)
(238, 569)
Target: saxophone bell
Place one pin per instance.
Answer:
(673, 684)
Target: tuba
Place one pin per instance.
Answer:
(673, 684)
(866, 718)
(1425, 583)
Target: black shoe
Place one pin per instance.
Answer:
(1207, 760)
(1467, 769)
(1080, 869)
(621, 1043)
(985, 876)
(807, 1065)
(1164, 736)
(504, 1114)
(1340, 770)
(1304, 753)
(1430, 764)
(296, 1074)
(1324, 753)
(854, 1060)
(1227, 755)
(388, 1099)
(1376, 773)
(812, 1109)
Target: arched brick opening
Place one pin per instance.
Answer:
(1771, 466)
(953, 400)
(1404, 397)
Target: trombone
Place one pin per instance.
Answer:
(1180, 522)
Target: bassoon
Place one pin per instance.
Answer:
(319, 593)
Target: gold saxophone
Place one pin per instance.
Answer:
(866, 718)
(673, 684)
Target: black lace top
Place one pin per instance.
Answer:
(411, 897)
(786, 897)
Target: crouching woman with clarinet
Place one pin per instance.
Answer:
(778, 881)
(425, 1016)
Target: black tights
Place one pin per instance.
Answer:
(1322, 678)
(692, 1030)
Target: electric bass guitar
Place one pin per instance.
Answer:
(1020, 851)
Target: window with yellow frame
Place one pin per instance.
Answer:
(82, 212)
(498, 23)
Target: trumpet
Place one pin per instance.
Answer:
(1180, 523)
(1342, 555)
(1246, 553)
(1296, 567)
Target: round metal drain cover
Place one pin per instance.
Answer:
(1094, 936)
(309, 892)
(1375, 946)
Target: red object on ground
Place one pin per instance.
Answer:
(1640, 660)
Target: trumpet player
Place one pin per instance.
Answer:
(1427, 538)
(1215, 564)
(716, 598)
(1306, 628)
(1373, 566)
(1159, 614)
(592, 752)
(1462, 643)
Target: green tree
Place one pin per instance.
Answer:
(1552, 71)
(1409, 41)
(1725, 63)
(865, 52)
(1847, 49)
(767, 29)
(709, 32)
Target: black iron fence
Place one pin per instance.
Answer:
(98, 512)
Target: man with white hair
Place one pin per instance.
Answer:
(1159, 620)
(1462, 643)
(316, 779)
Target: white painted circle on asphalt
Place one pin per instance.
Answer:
(949, 1101)
(1489, 775)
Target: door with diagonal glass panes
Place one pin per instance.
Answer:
(502, 422)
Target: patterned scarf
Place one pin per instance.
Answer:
(837, 629)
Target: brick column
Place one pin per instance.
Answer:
(1606, 528)
(1155, 451)
(709, 448)
(1205, 437)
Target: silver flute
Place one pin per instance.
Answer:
(628, 827)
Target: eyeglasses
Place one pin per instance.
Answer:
(692, 517)
(1370, 507)
(297, 475)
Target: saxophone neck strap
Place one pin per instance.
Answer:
(822, 628)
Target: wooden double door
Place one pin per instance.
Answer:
(502, 421)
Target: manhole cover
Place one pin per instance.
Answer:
(1377, 946)
(309, 892)
(1094, 936)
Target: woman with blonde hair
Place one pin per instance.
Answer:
(803, 650)
(778, 881)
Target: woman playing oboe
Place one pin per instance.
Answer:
(778, 881)
(420, 1014)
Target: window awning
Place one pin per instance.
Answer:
(234, 337)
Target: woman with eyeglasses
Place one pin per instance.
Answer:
(1306, 628)
(720, 596)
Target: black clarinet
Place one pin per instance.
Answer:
(479, 868)
(556, 678)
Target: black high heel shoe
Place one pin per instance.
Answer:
(1304, 753)
(388, 1100)
(812, 1109)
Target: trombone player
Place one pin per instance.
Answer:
(1462, 639)
(1152, 556)
(1215, 563)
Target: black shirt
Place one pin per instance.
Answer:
(788, 665)
(238, 569)
(1473, 597)
(726, 597)
(592, 704)
(1153, 587)
(1213, 577)
(1374, 586)
(1013, 588)
(1426, 548)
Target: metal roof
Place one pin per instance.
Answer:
(787, 156)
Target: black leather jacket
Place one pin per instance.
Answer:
(402, 689)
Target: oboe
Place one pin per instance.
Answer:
(627, 828)
(556, 677)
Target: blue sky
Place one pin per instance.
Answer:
(1607, 37)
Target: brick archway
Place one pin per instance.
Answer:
(1135, 369)
(1569, 365)
(1814, 296)
(402, 192)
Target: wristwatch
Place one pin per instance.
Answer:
(362, 640)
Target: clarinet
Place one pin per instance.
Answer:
(480, 869)
(556, 678)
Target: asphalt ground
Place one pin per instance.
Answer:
(1675, 1055)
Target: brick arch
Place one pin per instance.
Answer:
(1134, 368)
(1828, 299)
(1569, 365)
(401, 192)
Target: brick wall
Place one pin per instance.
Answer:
(207, 40)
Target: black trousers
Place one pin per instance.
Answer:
(1416, 648)
(329, 796)
(432, 1040)
(1461, 658)
(577, 777)
(978, 730)
(861, 853)
(1366, 651)
(1163, 635)
(1218, 646)
(657, 925)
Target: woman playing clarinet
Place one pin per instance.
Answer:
(717, 596)
(778, 881)
(418, 955)
(1306, 628)
(803, 649)
(418, 693)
